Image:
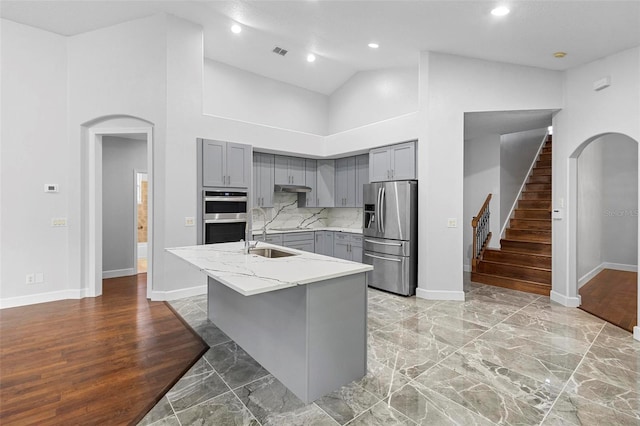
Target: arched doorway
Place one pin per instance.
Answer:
(92, 134)
(603, 212)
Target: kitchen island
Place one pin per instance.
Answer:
(302, 316)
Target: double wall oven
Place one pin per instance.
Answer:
(224, 216)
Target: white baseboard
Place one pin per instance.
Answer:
(178, 294)
(636, 332)
(466, 268)
(115, 273)
(32, 299)
(440, 294)
(570, 302)
(605, 265)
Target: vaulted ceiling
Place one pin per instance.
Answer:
(338, 32)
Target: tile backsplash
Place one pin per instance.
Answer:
(286, 214)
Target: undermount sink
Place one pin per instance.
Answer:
(271, 253)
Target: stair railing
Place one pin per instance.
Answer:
(481, 232)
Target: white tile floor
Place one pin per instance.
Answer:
(500, 357)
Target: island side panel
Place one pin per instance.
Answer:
(271, 327)
(337, 333)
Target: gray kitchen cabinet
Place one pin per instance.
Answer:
(271, 238)
(304, 241)
(345, 193)
(394, 162)
(289, 170)
(309, 199)
(324, 243)
(362, 177)
(348, 246)
(225, 164)
(263, 169)
(325, 183)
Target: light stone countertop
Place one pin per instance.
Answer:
(252, 274)
(325, 228)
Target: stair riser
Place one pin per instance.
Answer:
(534, 204)
(517, 259)
(539, 179)
(536, 195)
(544, 171)
(543, 163)
(544, 156)
(531, 214)
(511, 283)
(515, 271)
(525, 247)
(529, 235)
(537, 187)
(546, 150)
(530, 224)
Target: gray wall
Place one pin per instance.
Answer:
(517, 151)
(607, 204)
(481, 177)
(120, 157)
(620, 200)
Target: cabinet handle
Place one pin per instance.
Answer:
(317, 202)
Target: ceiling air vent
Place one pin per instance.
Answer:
(280, 51)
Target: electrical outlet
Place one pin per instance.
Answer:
(39, 277)
(189, 221)
(452, 222)
(58, 222)
(31, 278)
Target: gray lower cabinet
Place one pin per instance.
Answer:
(304, 241)
(289, 170)
(394, 162)
(263, 179)
(225, 164)
(348, 246)
(271, 238)
(324, 243)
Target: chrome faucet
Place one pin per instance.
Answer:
(247, 244)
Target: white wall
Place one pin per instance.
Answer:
(371, 96)
(620, 200)
(590, 209)
(517, 152)
(241, 95)
(587, 114)
(120, 157)
(450, 86)
(34, 151)
(481, 177)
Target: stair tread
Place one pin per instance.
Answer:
(529, 229)
(524, 253)
(518, 265)
(526, 241)
(514, 279)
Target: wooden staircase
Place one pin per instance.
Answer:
(523, 261)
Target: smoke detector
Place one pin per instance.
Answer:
(280, 51)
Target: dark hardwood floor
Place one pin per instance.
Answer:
(613, 296)
(103, 360)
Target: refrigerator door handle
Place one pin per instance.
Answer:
(382, 203)
(378, 210)
(382, 258)
(386, 244)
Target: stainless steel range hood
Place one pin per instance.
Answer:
(291, 188)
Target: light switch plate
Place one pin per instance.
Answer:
(58, 222)
(189, 221)
(452, 222)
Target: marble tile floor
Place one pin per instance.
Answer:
(500, 357)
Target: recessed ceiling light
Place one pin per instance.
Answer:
(500, 11)
(373, 45)
(560, 54)
(311, 57)
(236, 29)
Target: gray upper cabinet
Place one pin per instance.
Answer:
(263, 165)
(225, 164)
(309, 199)
(395, 162)
(289, 170)
(345, 193)
(362, 177)
(325, 183)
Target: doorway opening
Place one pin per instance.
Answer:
(606, 172)
(141, 221)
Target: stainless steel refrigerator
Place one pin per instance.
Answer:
(390, 235)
